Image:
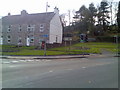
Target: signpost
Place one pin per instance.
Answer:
(68, 39)
(116, 41)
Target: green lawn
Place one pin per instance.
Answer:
(79, 48)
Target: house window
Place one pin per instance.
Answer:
(40, 40)
(9, 28)
(20, 28)
(31, 39)
(1, 40)
(41, 27)
(8, 39)
(30, 27)
(19, 40)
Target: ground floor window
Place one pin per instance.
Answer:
(19, 40)
(8, 39)
(31, 39)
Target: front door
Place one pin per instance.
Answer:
(28, 41)
(1, 41)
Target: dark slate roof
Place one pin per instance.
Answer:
(28, 18)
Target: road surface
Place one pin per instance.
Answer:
(99, 72)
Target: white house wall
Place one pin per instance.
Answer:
(55, 30)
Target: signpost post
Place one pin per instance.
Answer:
(68, 39)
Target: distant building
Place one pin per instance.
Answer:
(32, 29)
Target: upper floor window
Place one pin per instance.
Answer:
(41, 27)
(30, 27)
(20, 28)
(8, 39)
(9, 28)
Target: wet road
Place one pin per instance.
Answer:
(60, 73)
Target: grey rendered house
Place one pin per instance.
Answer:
(32, 29)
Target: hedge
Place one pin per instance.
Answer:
(106, 39)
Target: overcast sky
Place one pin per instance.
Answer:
(38, 6)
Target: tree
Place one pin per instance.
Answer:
(103, 15)
(93, 12)
(118, 17)
(82, 16)
(92, 16)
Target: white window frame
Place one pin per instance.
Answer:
(28, 27)
(19, 38)
(20, 28)
(31, 39)
(41, 27)
(8, 39)
(31, 27)
(9, 28)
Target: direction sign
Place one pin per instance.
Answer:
(45, 35)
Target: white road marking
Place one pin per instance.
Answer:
(37, 60)
(48, 60)
(50, 71)
(83, 67)
(69, 69)
(12, 66)
(5, 62)
(14, 61)
(84, 58)
(89, 82)
(30, 60)
(22, 60)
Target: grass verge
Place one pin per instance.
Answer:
(80, 48)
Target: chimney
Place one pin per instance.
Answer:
(24, 12)
(56, 10)
(9, 14)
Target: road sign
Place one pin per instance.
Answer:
(68, 38)
(45, 35)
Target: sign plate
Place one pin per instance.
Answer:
(45, 35)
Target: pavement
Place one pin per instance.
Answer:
(57, 57)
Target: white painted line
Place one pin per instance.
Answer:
(89, 82)
(14, 61)
(29, 60)
(5, 62)
(37, 60)
(22, 60)
(48, 60)
(11, 66)
(83, 67)
(50, 71)
(69, 69)
(84, 58)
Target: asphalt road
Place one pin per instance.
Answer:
(61, 73)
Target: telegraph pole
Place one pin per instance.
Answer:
(111, 13)
(47, 6)
(69, 16)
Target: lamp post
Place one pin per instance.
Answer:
(116, 41)
(45, 37)
(45, 49)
